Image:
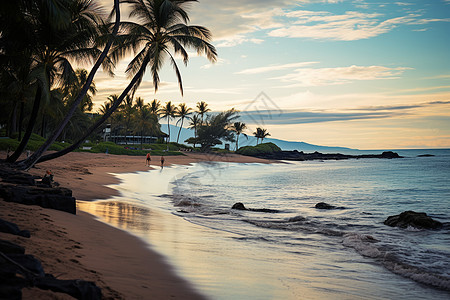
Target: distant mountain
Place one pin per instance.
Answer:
(251, 141)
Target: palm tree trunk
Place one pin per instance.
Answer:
(237, 142)
(168, 129)
(178, 137)
(98, 123)
(22, 104)
(27, 135)
(28, 163)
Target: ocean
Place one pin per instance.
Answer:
(285, 248)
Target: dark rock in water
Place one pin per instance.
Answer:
(10, 248)
(12, 228)
(323, 205)
(238, 206)
(58, 198)
(414, 219)
(425, 155)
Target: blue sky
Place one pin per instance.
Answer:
(359, 74)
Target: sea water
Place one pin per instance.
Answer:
(283, 247)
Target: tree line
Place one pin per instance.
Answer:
(40, 40)
(42, 92)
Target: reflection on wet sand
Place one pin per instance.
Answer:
(120, 214)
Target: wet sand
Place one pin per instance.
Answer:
(80, 247)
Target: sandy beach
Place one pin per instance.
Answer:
(80, 247)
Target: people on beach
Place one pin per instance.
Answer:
(149, 159)
(162, 161)
(48, 178)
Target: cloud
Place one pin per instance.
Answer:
(349, 26)
(339, 75)
(275, 68)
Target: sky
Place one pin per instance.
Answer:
(352, 73)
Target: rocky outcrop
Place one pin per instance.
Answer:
(19, 270)
(12, 228)
(56, 198)
(240, 206)
(413, 219)
(301, 156)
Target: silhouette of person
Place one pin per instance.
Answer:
(162, 161)
(149, 158)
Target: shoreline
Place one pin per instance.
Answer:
(83, 247)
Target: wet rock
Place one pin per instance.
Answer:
(238, 206)
(414, 219)
(12, 228)
(78, 289)
(323, 205)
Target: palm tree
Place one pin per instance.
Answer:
(168, 111)
(217, 128)
(260, 133)
(127, 110)
(164, 29)
(182, 112)
(202, 108)
(145, 122)
(239, 128)
(155, 107)
(84, 27)
(194, 124)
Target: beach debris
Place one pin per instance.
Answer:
(12, 228)
(410, 218)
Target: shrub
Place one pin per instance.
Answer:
(258, 149)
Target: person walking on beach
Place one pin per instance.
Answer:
(162, 161)
(149, 159)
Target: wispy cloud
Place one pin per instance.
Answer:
(340, 75)
(275, 68)
(349, 26)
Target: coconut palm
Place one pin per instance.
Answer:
(155, 107)
(260, 133)
(127, 109)
(77, 42)
(202, 108)
(182, 112)
(168, 111)
(145, 122)
(163, 31)
(239, 128)
(194, 124)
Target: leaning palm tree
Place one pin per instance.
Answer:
(92, 19)
(182, 112)
(202, 108)
(163, 31)
(168, 111)
(239, 128)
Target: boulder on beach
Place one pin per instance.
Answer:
(414, 219)
(240, 206)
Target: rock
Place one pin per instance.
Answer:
(58, 198)
(12, 228)
(10, 248)
(389, 155)
(29, 262)
(414, 219)
(323, 205)
(425, 155)
(78, 289)
(238, 206)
